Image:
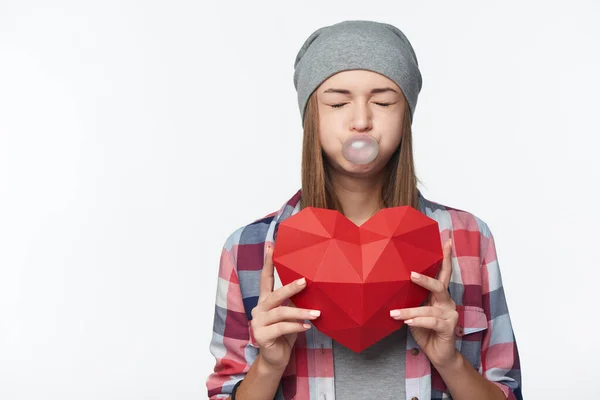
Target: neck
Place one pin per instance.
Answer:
(360, 198)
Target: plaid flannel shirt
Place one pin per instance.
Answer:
(484, 333)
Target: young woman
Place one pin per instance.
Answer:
(360, 80)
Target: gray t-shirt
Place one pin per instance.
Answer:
(375, 373)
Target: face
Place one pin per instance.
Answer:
(359, 101)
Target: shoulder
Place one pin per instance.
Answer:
(469, 232)
(450, 217)
(252, 235)
(249, 241)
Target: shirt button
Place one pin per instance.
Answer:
(415, 352)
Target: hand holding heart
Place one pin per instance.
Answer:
(275, 325)
(432, 325)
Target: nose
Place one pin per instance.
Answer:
(361, 118)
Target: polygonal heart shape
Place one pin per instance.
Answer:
(356, 274)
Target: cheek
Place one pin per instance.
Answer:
(328, 136)
(329, 143)
(391, 139)
(390, 143)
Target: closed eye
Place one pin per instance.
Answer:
(379, 104)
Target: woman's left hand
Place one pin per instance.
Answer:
(432, 325)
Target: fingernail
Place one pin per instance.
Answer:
(301, 281)
(395, 313)
(415, 275)
(315, 313)
(306, 326)
(408, 321)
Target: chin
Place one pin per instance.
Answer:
(364, 170)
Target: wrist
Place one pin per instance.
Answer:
(452, 365)
(265, 369)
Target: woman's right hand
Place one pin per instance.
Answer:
(275, 326)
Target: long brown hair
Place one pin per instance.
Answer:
(400, 187)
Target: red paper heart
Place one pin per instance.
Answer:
(356, 275)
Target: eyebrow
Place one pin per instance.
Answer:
(374, 91)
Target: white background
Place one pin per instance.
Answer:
(136, 136)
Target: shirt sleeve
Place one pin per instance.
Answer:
(230, 344)
(499, 354)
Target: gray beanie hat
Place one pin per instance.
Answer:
(347, 45)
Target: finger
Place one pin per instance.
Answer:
(279, 314)
(425, 311)
(277, 297)
(266, 276)
(435, 324)
(272, 332)
(445, 272)
(435, 286)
